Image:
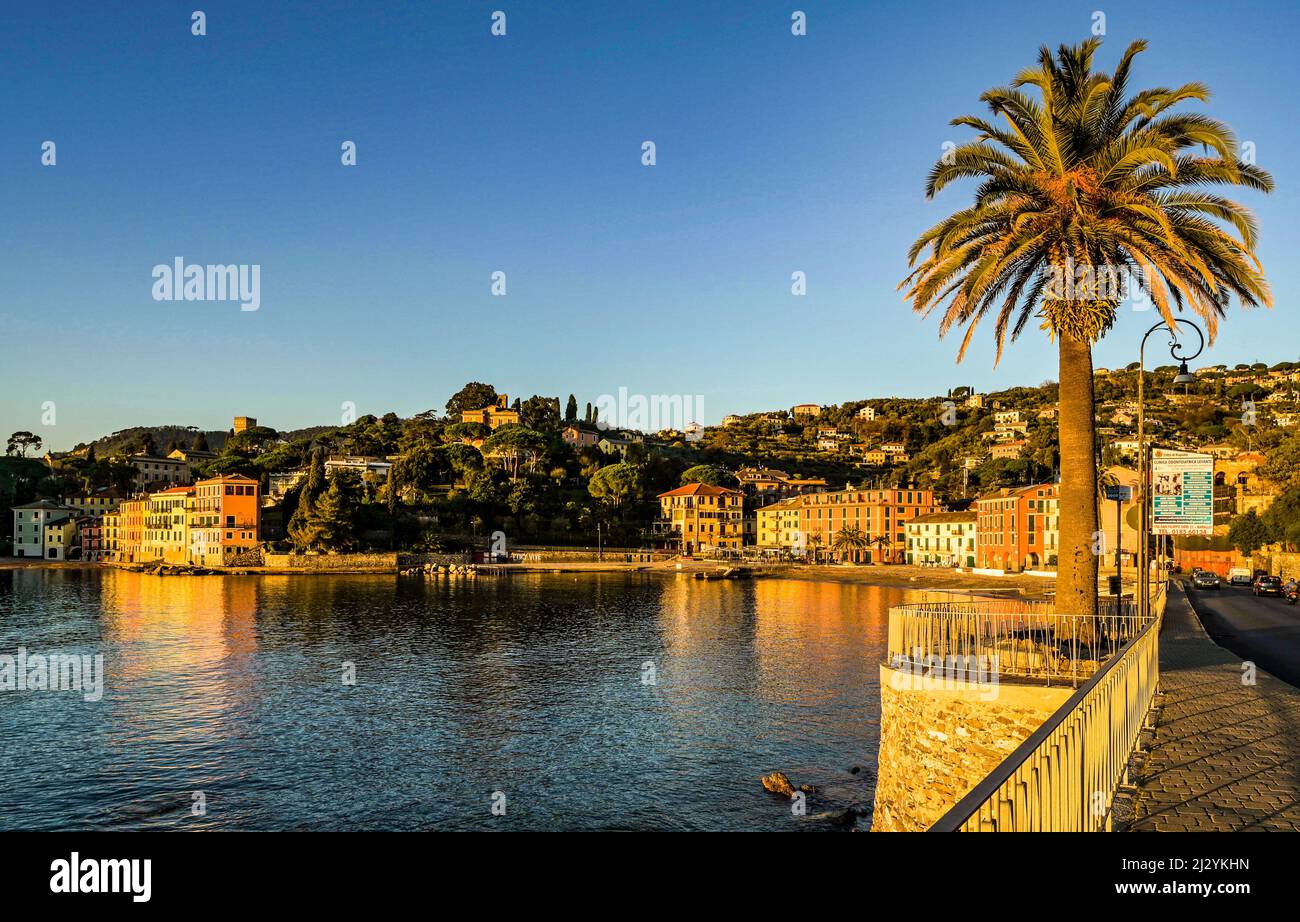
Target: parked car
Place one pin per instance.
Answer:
(1267, 585)
(1204, 579)
(1239, 576)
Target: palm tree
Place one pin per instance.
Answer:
(849, 539)
(1086, 177)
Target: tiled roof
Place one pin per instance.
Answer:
(45, 504)
(970, 516)
(699, 489)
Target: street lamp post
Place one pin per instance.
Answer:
(1183, 377)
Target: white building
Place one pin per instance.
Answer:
(943, 539)
(867, 413)
(30, 523)
(358, 465)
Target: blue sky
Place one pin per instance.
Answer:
(522, 153)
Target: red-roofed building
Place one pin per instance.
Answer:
(701, 517)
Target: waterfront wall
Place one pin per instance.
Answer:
(936, 743)
(380, 561)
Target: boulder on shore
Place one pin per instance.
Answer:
(778, 783)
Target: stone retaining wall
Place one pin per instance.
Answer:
(938, 743)
(380, 561)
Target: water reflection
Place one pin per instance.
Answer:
(533, 686)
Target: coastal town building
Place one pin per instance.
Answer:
(225, 521)
(99, 503)
(778, 527)
(125, 530)
(358, 465)
(166, 525)
(1008, 450)
(943, 539)
(30, 521)
(90, 533)
(244, 423)
(280, 483)
(701, 517)
(150, 471)
(498, 414)
(879, 516)
(578, 438)
(806, 410)
(60, 538)
(1018, 529)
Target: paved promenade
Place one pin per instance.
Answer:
(1226, 756)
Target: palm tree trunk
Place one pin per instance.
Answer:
(1076, 578)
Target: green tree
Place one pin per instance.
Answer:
(303, 529)
(571, 410)
(849, 539)
(514, 447)
(19, 442)
(336, 516)
(473, 396)
(708, 473)
(541, 413)
(1086, 176)
(1282, 519)
(200, 442)
(616, 484)
(1248, 532)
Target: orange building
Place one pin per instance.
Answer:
(126, 531)
(700, 516)
(880, 516)
(1019, 529)
(224, 521)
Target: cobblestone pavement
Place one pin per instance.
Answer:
(1226, 755)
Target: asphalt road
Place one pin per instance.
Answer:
(1264, 630)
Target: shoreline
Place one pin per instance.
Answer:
(901, 576)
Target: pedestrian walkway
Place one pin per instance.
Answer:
(1226, 755)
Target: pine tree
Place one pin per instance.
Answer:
(571, 410)
(303, 530)
(200, 443)
(335, 518)
(316, 474)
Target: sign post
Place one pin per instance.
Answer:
(1120, 495)
(1182, 488)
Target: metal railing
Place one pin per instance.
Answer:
(1063, 778)
(1018, 638)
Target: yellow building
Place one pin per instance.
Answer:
(778, 525)
(499, 414)
(167, 526)
(700, 516)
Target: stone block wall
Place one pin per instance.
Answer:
(936, 743)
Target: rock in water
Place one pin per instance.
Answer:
(778, 783)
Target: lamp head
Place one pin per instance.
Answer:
(1184, 376)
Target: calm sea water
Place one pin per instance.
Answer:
(533, 686)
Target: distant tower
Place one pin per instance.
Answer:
(244, 422)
